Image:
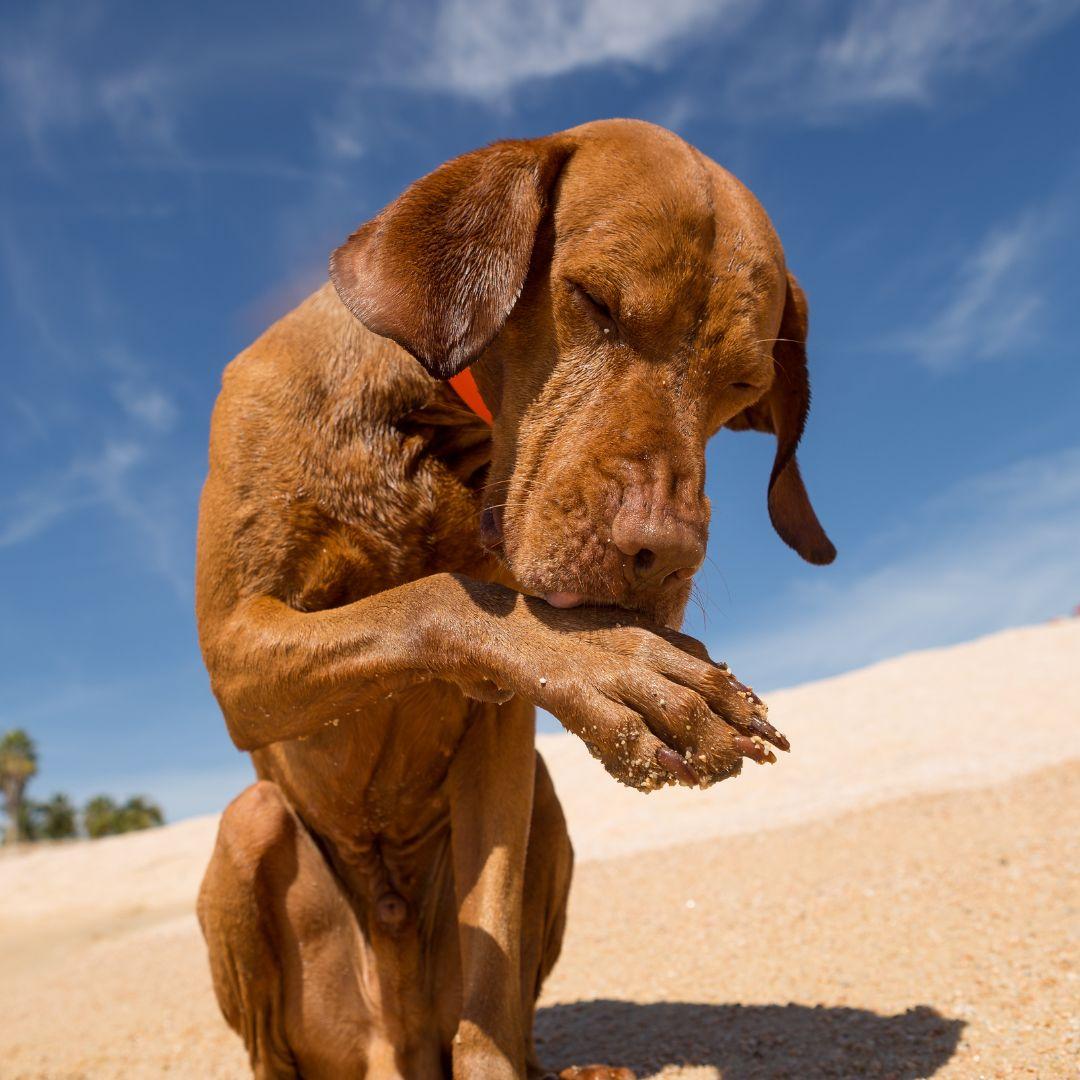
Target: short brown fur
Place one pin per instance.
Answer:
(386, 901)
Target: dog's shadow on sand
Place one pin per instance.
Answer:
(748, 1042)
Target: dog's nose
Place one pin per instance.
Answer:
(660, 546)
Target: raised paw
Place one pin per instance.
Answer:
(652, 706)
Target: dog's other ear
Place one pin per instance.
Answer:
(783, 411)
(440, 268)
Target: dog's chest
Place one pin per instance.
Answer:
(375, 775)
(368, 528)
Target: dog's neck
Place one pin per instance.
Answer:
(456, 433)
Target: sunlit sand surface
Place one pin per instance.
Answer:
(897, 897)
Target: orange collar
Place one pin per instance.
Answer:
(465, 387)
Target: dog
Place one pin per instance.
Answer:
(387, 585)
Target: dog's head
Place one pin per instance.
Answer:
(621, 298)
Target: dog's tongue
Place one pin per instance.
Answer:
(564, 599)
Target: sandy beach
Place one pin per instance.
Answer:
(896, 898)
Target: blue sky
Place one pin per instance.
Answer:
(174, 177)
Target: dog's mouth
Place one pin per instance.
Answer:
(492, 537)
(564, 590)
(566, 599)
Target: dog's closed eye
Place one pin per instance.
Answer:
(596, 309)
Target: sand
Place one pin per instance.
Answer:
(898, 897)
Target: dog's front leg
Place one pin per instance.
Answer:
(491, 793)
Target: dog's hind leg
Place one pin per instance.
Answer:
(285, 949)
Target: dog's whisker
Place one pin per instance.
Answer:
(694, 595)
(773, 340)
(522, 483)
(723, 579)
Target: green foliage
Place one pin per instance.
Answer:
(18, 764)
(29, 825)
(56, 818)
(140, 813)
(99, 816)
(18, 755)
(103, 817)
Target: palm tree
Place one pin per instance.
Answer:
(103, 817)
(56, 818)
(18, 763)
(99, 817)
(139, 813)
(29, 821)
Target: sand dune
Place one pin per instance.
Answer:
(895, 898)
(966, 716)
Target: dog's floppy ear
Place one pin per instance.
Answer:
(440, 268)
(783, 411)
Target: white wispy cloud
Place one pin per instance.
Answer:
(106, 479)
(151, 515)
(46, 309)
(148, 405)
(880, 54)
(85, 481)
(337, 140)
(995, 304)
(58, 82)
(892, 52)
(27, 294)
(42, 92)
(775, 56)
(49, 94)
(141, 104)
(996, 551)
(115, 461)
(484, 48)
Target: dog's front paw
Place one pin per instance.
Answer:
(648, 702)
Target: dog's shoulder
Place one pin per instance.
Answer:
(319, 365)
(333, 484)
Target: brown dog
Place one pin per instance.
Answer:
(386, 586)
